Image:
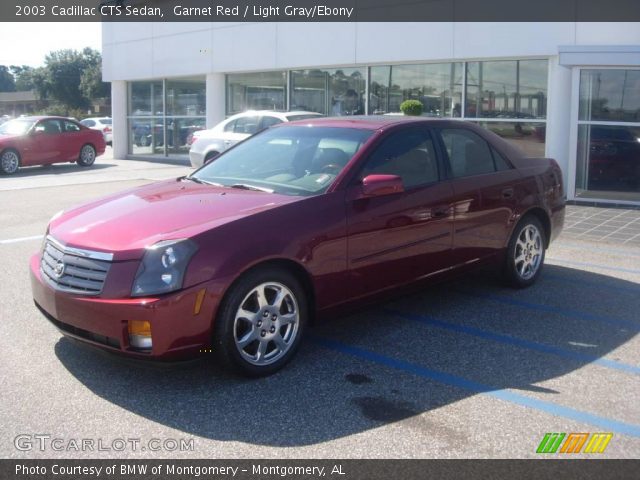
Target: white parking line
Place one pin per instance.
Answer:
(21, 239)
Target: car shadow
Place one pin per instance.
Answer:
(59, 169)
(329, 391)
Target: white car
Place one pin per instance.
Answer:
(100, 123)
(208, 144)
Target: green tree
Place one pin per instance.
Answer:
(7, 82)
(23, 75)
(70, 78)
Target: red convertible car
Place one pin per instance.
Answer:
(28, 141)
(298, 221)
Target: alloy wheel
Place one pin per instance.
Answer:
(266, 323)
(528, 252)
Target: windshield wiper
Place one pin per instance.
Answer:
(200, 181)
(246, 186)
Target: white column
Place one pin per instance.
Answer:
(558, 145)
(215, 99)
(119, 116)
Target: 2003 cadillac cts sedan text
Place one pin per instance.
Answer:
(298, 221)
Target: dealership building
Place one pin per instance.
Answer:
(567, 90)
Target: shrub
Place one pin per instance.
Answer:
(412, 107)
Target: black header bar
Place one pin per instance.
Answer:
(320, 11)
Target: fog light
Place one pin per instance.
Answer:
(140, 334)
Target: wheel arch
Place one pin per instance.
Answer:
(544, 219)
(291, 266)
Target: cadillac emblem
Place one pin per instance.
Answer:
(59, 269)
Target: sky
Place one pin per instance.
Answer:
(28, 43)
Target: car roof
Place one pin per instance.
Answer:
(372, 122)
(274, 113)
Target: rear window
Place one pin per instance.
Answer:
(106, 121)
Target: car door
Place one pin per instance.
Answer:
(485, 190)
(399, 237)
(44, 145)
(73, 138)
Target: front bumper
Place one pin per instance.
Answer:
(177, 330)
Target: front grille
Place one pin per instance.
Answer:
(74, 270)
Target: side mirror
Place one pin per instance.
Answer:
(378, 185)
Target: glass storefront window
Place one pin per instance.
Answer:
(333, 92)
(146, 136)
(437, 86)
(256, 91)
(172, 108)
(507, 89)
(186, 97)
(610, 95)
(530, 137)
(145, 98)
(608, 162)
(608, 147)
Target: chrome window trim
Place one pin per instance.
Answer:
(79, 252)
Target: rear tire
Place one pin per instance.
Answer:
(9, 161)
(525, 253)
(261, 322)
(87, 156)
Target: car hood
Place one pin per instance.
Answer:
(127, 222)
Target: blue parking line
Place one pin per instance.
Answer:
(567, 312)
(445, 378)
(593, 265)
(518, 342)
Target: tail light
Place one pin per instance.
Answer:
(107, 130)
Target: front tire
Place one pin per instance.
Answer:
(261, 322)
(87, 156)
(525, 253)
(9, 162)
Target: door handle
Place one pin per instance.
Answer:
(507, 193)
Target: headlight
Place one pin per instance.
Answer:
(162, 268)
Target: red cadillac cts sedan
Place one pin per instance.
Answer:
(28, 141)
(297, 221)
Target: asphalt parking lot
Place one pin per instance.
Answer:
(469, 369)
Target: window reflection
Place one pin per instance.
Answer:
(530, 137)
(437, 86)
(608, 159)
(333, 92)
(610, 95)
(256, 91)
(186, 97)
(507, 89)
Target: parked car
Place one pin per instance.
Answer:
(100, 123)
(208, 144)
(288, 226)
(28, 141)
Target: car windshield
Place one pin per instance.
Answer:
(16, 127)
(292, 160)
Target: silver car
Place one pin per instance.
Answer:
(100, 123)
(208, 144)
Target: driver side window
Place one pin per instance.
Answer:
(408, 154)
(50, 126)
